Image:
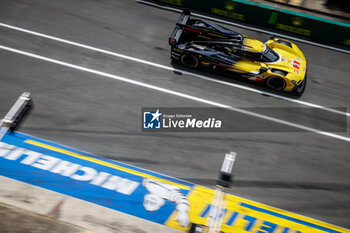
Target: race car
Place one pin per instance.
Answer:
(278, 63)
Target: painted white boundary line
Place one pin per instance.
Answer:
(172, 69)
(175, 93)
(247, 27)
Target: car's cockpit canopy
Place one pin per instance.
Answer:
(255, 50)
(268, 55)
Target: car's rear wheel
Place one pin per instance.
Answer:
(276, 83)
(189, 61)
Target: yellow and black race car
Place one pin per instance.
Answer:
(277, 62)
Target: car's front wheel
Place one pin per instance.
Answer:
(189, 61)
(276, 83)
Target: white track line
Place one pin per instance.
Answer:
(175, 93)
(247, 27)
(172, 69)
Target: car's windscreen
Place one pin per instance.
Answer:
(267, 56)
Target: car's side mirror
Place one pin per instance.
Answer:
(263, 70)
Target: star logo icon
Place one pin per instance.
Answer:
(151, 119)
(156, 115)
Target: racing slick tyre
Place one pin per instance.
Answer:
(276, 83)
(189, 61)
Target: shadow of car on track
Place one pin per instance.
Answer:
(233, 78)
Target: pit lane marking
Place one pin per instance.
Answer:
(174, 93)
(171, 69)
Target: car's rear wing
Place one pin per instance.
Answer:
(185, 31)
(176, 35)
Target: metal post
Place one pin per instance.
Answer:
(218, 204)
(217, 208)
(16, 114)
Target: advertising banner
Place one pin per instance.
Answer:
(145, 194)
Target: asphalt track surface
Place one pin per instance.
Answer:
(303, 172)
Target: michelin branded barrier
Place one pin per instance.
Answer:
(144, 194)
(290, 22)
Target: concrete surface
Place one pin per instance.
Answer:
(30, 209)
(21, 221)
(301, 172)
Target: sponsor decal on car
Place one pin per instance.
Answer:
(295, 64)
(258, 78)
